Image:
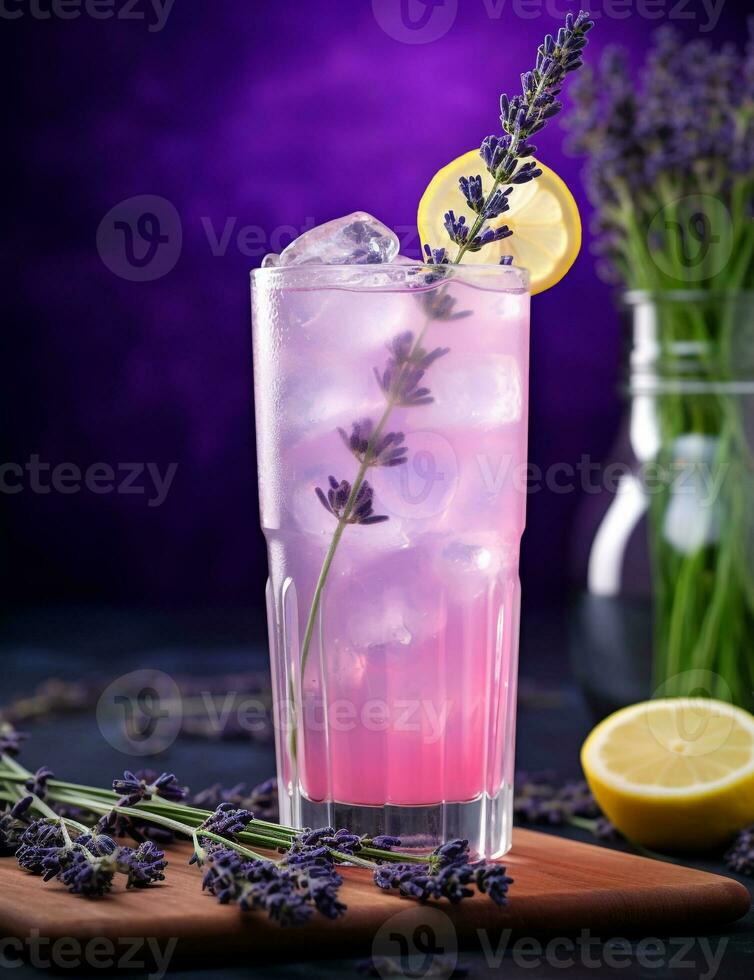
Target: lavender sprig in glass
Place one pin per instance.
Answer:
(402, 380)
(402, 383)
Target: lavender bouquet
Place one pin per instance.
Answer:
(670, 173)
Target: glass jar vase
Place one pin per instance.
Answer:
(676, 523)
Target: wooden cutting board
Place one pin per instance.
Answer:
(561, 887)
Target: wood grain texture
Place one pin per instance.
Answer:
(560, 887)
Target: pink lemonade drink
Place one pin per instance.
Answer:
(391, 413)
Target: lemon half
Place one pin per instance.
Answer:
(543, 217)
(675, 773)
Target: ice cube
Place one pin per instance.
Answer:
(326, 396)
(361, 542)
(271, 260)
(310, 460)
(357, 239)
(379, 622)
(468, 565)
(390, 600)
(474, 391)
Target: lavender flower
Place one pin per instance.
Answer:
(256, 885)
(437, 256)
(227, 821)
(281, 900)
(144, 785)
(41, 840)
(526, 114)
(386, 451)
(606, 831)
(491, 207)
(83, 874)
(538, 799)
(740, 856)
(418, 882)
(37, 784)
(492, 880)
(221, 878)
(361, 510)
(449, 853)
(142, 866)
(383, 842)
(23, 806)
(505, 155)
(315, 842)
(449, 873)
(85, 865)
(686, 129)
(262, 800)
(440, 307)
(410, 880)
(471, 188)
(459, 232)
(211, 797)
(10, 739)
(401, 379)
(321, 888)
(12, 827)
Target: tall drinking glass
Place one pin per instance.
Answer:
(391, 414)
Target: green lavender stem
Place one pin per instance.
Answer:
(343, 521)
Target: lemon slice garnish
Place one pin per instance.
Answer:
(543, 217)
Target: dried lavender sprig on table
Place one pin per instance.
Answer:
(540, 799)
(290, 888)
(203, 703)
(740, 856)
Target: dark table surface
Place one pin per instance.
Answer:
(100, 644)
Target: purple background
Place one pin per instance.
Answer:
(277, 115)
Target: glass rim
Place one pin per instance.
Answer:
(326, 275)
(635, 297)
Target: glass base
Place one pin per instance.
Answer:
(485, 822)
